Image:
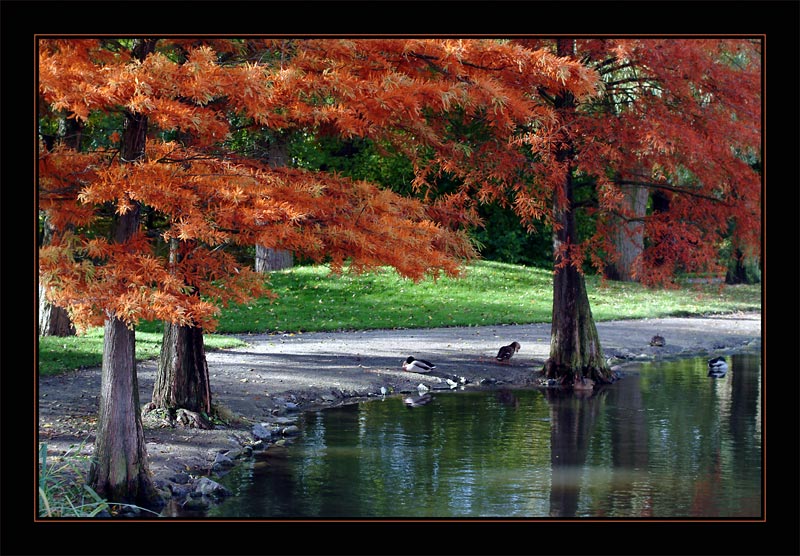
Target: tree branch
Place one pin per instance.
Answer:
(672, 188)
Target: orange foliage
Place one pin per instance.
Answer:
(382, 89)
(687, 111)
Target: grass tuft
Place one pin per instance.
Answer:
(63, 491)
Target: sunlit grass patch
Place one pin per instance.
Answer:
(310, 298)
(313, 299)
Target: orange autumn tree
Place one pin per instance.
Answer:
(392, 92)
(504, 137)
(670, 152)
(664, 158)
(115, 268)
(655, 141)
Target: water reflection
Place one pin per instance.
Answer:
(666, 441)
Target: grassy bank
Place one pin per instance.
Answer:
(311, 299)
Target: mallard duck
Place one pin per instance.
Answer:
(418, 365)
(506, 352)
(657, 341)
(717, 367)
(417, 401)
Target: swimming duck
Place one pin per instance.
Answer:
(717, 367)
(418, 365)
(418, 401)
(506, 352)
(657, 341)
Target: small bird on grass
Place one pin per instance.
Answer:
(507, 352)
(417, 365)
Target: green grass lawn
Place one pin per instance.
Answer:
(310, 298)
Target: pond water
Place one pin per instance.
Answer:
(666, 441)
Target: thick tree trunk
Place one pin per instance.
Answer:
(268, 259)
(575, 351)
(119, 471)
(182, 380)
(629, 238)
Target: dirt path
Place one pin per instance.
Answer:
(254, 383)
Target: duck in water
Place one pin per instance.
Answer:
(717, 367)
(417, 401)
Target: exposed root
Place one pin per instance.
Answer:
(191, 419)
(171, 418)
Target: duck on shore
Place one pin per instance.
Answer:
(507, 352)
(417, 365)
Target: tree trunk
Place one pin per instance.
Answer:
(575, 351)
(629, 238)
(182, 381)
(119, 471)
(742, 269)
(267, 258)
(53, 320)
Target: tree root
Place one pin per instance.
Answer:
(191, 419)
(179, 417)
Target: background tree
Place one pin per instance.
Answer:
(671, 144)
